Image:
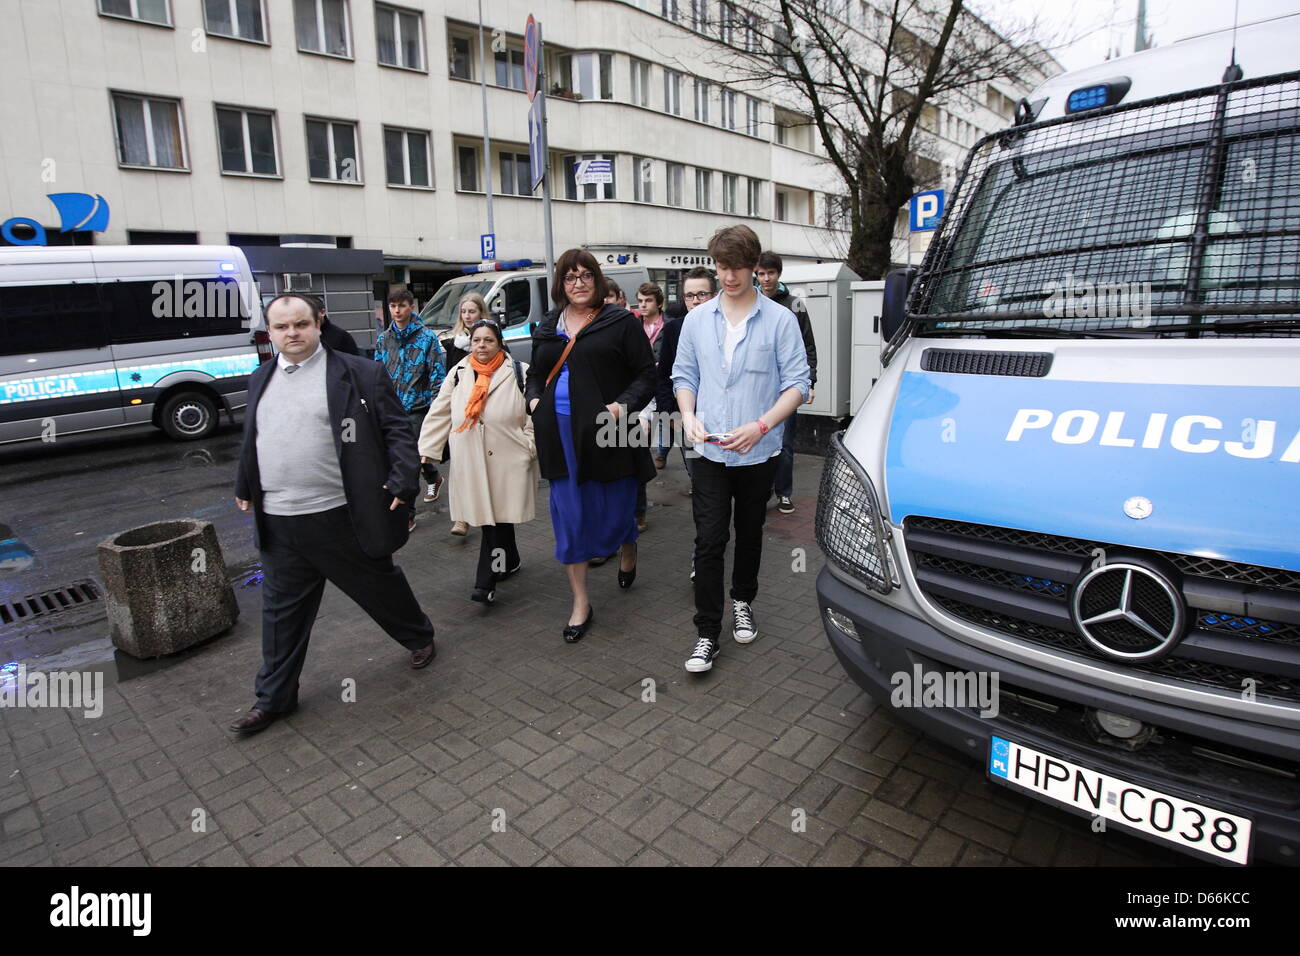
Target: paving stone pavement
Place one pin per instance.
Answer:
(515, 748)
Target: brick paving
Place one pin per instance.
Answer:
(515, 749)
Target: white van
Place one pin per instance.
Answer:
(97, 337)
(518, 299)
(1063, 530)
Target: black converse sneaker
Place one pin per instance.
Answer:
(701, 659)
(743, 628)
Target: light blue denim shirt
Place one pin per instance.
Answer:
(769, 359)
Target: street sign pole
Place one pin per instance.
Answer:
(487, 143)
(546, 165)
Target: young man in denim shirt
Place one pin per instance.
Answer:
(414, 361)
(740, 372)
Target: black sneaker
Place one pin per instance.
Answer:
(701, 659)
(743, 629)
(785, 505)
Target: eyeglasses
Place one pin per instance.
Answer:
(582, 278)
(691, 296)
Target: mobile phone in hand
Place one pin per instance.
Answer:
(718, 439)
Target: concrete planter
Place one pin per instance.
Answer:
(165, 587)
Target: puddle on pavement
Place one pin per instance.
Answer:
(15, 553)
(97, 654)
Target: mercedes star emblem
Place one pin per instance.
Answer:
(1128, 612)
(1138, 507)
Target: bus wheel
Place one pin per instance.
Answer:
(188, 415)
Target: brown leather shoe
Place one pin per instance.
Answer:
(256, 720)
(422, 657)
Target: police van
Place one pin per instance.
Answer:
(518, 298)
(1077, 483)
(99, 337)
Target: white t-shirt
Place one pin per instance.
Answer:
(734, 334)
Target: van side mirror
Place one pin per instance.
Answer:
(893, 309)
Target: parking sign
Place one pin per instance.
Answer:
(487, 245)
(924, 211)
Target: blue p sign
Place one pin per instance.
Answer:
(925, 210)
(487, 244)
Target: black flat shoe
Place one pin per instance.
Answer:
(484, 596)
(625, 578)
(574, 632)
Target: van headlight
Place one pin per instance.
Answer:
(850, 530)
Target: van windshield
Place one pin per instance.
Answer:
(440, 311)
(1135, 220)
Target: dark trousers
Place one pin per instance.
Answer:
(785, 461)
(717, 489)
(299, 554)
(428, 470)
(496, 554)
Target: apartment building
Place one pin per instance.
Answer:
(359, 123)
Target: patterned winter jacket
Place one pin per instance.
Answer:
(414, 361)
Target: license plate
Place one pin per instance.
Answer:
(1192, 826)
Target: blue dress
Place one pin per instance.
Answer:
(592, 519)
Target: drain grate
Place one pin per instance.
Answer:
(48, 602)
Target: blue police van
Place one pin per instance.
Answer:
(1077, 484)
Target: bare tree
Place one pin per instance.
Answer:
(864, 76)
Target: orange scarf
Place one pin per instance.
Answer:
(478, 397)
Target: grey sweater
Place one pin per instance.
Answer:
(296, 459)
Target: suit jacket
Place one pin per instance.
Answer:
(379, 460)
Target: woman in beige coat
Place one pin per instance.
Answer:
(480, 409)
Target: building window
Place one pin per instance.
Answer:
(400, 34)
(322, 26)
(751, 116)
(640, 85)
(462, 63)
(643, 178)
(703, 189)
(669, 10)
(238, 19)
(782, 205)
(672, 93)
(150, 11)
(729, 188)
(754, 198)
(749, 26)
(676, 179)
(154, 237)
(727, 22)
(149, 132)
(516, 175)
(588, 190)
(467, 163)
(246, 139)
(590, 75)
(332, 151)
(510, 69)
(728, 108)
(406, 157)
(702, 100)
(699, 15)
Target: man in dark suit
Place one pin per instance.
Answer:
(328, 465)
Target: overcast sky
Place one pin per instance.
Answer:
(1093, 26)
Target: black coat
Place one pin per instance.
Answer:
(379, 463)
(795, 304)
(665, 395)
(340, 340)
(611, 361)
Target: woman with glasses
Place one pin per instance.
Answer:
(480, 409)
(593, 370)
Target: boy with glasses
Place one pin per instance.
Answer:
(740, 372)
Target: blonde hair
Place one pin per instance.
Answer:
(459, 327)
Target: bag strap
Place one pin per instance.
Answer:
(519, 373)
(563, 356)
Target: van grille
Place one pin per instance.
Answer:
(1019, 584)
